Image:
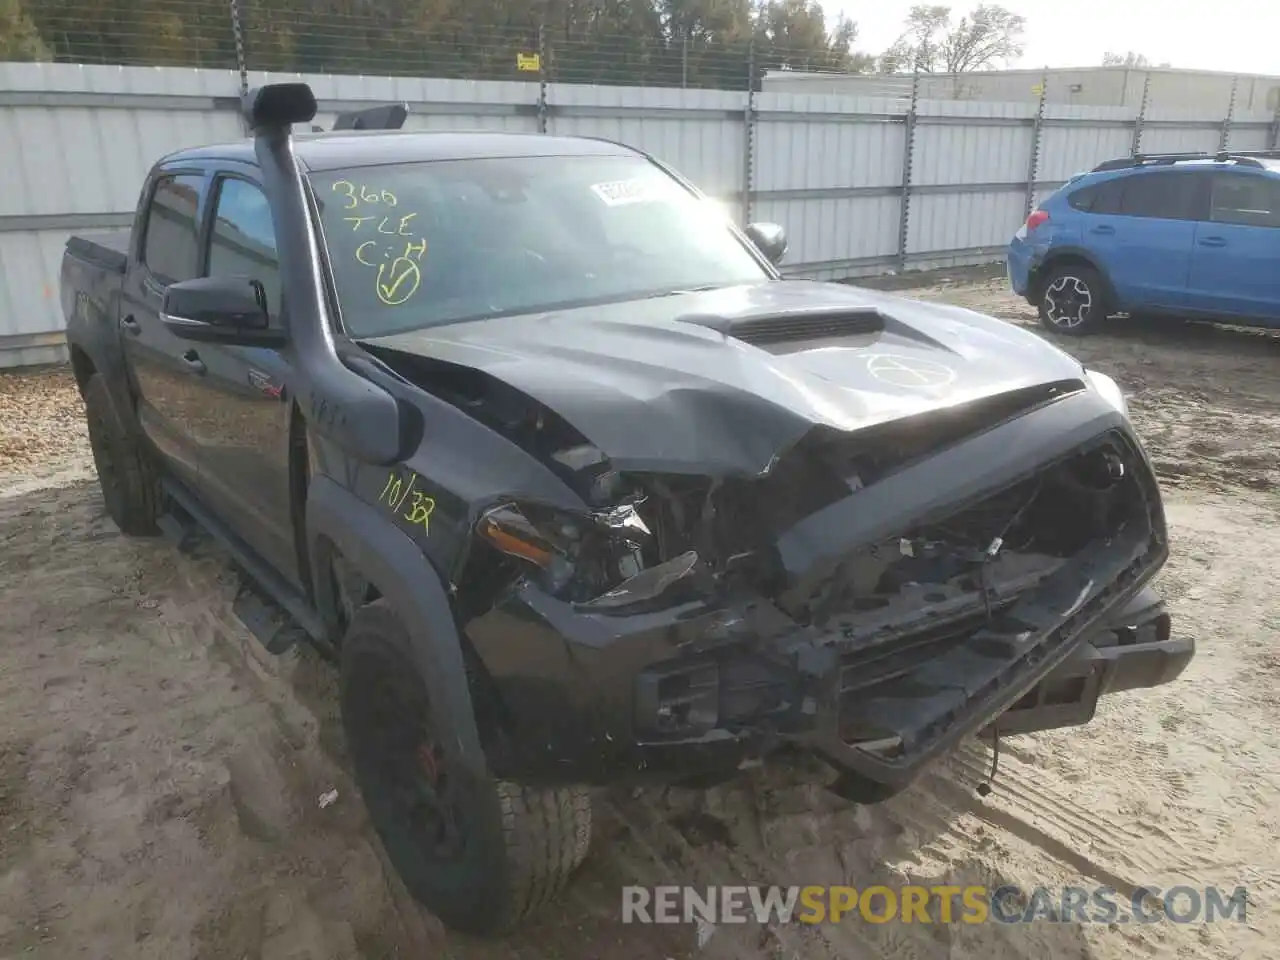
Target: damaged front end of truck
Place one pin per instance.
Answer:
(871, 595)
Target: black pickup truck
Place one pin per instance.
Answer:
(576, 489)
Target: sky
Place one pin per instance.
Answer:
(1233, 35)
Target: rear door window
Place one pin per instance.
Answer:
(170, 246)
(1163, 195)
(1245, 199)
(1099, 197)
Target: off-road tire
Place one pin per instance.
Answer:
(521, 844)
(126, 473)
(1073, 299)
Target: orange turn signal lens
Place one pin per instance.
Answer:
(511, 532)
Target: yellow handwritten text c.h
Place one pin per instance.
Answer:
(415, 250)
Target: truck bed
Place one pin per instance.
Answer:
(93, 272)
(108, 250)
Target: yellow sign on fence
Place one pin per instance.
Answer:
(528, 62)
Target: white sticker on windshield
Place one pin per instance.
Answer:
(620, 192)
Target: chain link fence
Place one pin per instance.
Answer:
(612, 44)
(631, 46)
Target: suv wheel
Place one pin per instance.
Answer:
(1073, 300)
(479, 853)
(125, 471)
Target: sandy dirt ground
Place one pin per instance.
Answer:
(160, 774)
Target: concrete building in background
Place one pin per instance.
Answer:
(1202, 91)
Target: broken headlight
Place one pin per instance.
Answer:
(601, 559)
(1109, 390)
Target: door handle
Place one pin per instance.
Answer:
(191, 360)
(1213, 241)
(130, 325)
(1103, 229)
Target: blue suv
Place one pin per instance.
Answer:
(1187, 235)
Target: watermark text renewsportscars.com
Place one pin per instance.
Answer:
(932, 904)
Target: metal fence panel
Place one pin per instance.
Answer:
(30, 308)
(1178, 130)
(1252, 136)
(836, 237)
(1078, 138)
(702, 132)
(972, 143)
(830, 168)
(962, 222)
(809, 142)
(79, 140)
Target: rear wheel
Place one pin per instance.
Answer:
(480, 853)
(126, 473)
(1073, 300)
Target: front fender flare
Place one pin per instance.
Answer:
(396, 566)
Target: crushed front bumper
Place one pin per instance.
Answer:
(570, 734)
(698, 689)
(1140, 650)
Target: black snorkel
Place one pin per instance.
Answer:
(359, 416)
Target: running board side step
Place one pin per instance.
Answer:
(270, 623)
(178, 530)
(271, 608)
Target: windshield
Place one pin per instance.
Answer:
(421, 244)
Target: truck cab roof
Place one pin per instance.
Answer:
(361, 148)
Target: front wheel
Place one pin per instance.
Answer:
(479, 853)
(1073, 300)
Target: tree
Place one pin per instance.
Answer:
(793, 35)
(988, 36)
(1129, 59)
(707, 40)
(700, 43)
(1132, 60)
(920, 42)
(19, 38)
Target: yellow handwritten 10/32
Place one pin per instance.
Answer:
(397, 494)
(398, 273)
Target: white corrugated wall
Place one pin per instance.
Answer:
(77, 142)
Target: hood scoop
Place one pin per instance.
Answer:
(795, 327)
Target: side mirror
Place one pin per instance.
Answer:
(770, 239)
(230, 310)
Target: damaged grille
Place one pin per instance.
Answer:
(979, 601)
(1022, 530)
(870, 666)
(734, 524)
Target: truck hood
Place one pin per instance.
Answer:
(667, 383)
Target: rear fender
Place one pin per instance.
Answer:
(394, 564)
(93, 336)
